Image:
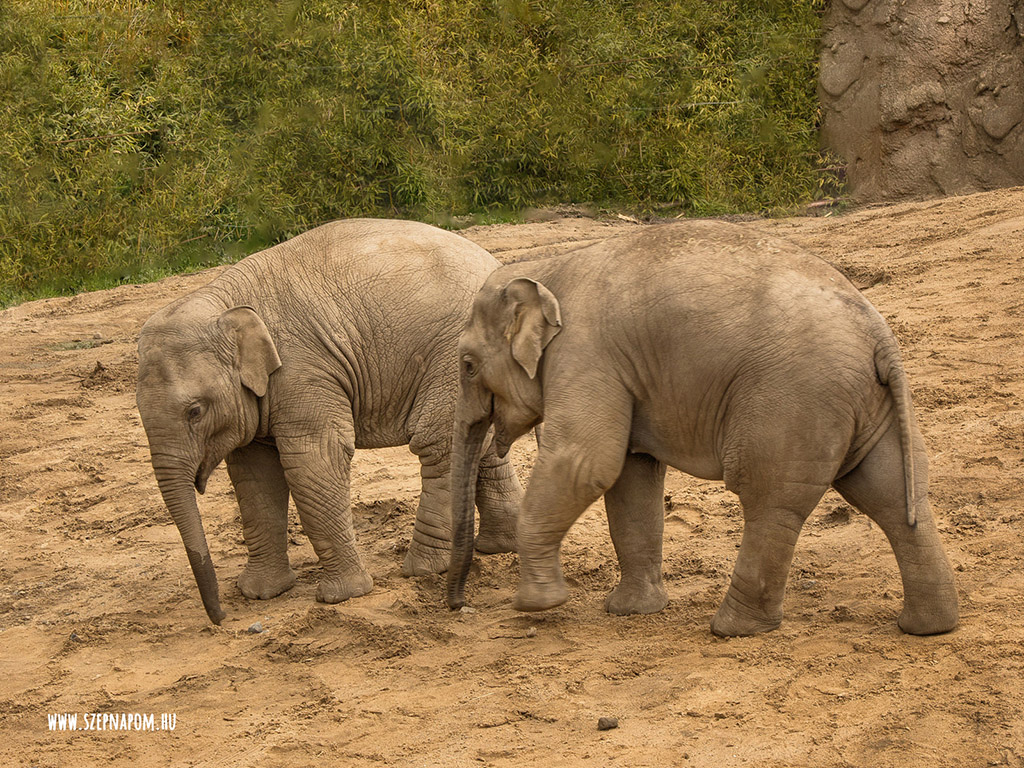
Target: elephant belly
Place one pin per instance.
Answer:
(379, 438)
(697, 458)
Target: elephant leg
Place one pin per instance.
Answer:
(774, 510)
(575, 465)
(262, 494)
(498, 497)
(317, 466)
(877, 488)
(430, 549)
(636, 519)
(562, 486)
(499, 493)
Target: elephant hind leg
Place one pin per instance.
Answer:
(430, 548)
(498, 497)
(877, 488)
(776, 501)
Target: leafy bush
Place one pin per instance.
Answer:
(139, 138)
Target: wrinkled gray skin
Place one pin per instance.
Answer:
(341, 338)
(703, 347)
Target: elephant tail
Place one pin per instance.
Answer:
(889, 367)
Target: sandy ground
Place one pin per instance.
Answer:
(99, 612)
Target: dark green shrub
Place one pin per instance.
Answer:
(140, 138)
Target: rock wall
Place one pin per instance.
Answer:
(924, 98)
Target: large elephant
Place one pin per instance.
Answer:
(709, 348)
(341, 338)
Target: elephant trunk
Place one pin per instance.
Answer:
(467, 450)
(178, 491)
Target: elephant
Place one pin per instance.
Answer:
(724, 353)
(341, 338)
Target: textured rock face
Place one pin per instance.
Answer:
(924, 97)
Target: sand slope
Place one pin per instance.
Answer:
(99, 612)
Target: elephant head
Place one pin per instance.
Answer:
(500, 354)
(202, 371)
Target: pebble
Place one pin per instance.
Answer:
(531, 632)
(255, 629)
(467, 609)
(607, 723)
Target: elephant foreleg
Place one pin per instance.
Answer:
(262, 494)
(575, 465)
(636, 519)
(317, 465)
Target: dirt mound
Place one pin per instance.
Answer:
(99, 612)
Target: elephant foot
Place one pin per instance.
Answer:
(932, 617)
(498, 499)
(263, 584)
(733, 620)
(422, 560)
(539, 597)
(341, 588)
(491, 542)
(498, 522)
(636, 597)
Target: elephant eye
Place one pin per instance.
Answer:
(195, 412)
(469, 366)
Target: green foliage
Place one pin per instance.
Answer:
(140, 138)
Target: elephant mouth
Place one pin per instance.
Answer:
(502, 445)
(504, 438)
(202, 476)
(510, 426)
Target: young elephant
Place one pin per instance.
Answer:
(341, 338)
(708, 348)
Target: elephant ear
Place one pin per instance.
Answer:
(255, 354)
(536, 320)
